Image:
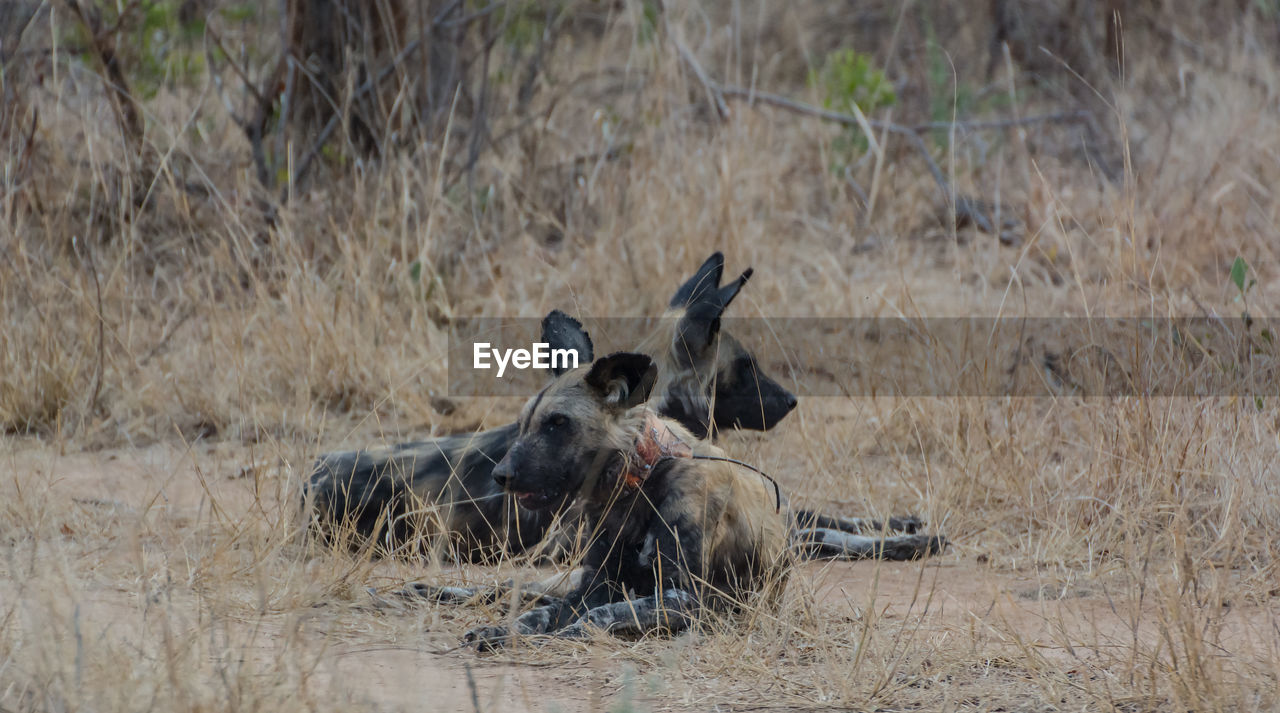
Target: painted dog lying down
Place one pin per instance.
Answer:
(669, 525)
(707, 380)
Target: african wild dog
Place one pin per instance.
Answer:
(671, 524)
(709, 381)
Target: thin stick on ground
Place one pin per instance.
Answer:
(715, 96)
(911, 134)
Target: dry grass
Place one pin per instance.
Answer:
(170, 363)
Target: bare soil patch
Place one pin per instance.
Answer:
(121, 526)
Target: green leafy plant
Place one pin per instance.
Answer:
(156, 45)
(1239, 276)
(848, 79)
(950, 97)
(166, 46)
(1239, 272)
(945, 101)
(647, 27)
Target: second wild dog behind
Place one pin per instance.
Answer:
(669, 523)
(445, 486)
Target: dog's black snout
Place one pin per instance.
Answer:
(502, 473)
(790, 401)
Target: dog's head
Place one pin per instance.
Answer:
(576, 428)
(714, 381)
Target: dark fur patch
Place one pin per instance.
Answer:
(421, 488)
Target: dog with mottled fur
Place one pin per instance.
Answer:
(670, 524)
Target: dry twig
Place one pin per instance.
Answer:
(963, 208)
(715, 95)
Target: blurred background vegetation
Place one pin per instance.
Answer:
(217, 152)
(240, 231)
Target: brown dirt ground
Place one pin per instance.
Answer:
(392, 659)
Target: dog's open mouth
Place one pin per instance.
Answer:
(534, 500)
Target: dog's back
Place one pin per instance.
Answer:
(744, 534)
(416, 490)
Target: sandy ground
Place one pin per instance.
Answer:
(401, 658)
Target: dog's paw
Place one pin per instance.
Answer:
(382, 604)
(914, 547)
(487, 638)
(910, 524)
(576, 631)
(433, 593)
(937, 543)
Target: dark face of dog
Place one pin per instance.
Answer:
(717, 383)
(570, 432)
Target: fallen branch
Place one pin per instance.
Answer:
(961, 207)
(799, 107)
(715, 95)
(1064, 117)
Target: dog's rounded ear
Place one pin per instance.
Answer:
(704, 281)
(560, 332)
(623, 379)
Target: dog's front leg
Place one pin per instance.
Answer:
(548, 590)
(445, 594)
(535, 621)
(545, 618)
(673, 612)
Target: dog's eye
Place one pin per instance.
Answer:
(558, 419)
